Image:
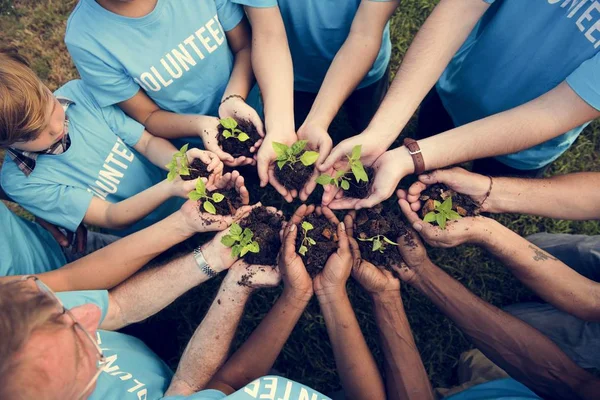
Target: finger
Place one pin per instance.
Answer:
(56, 233)
(256, 146)
(349, 222)
(343, 244)
(241, 188)
(263, 168)
(324, 150)
(289, 247)
(345, 203)
(223, 156)
(260, 127)
(327, 213)
(310, 186)
(401, 193)
(414, 191)
(412, 216)
(294, 193)
(338, 152)
(409, 242)
(279, 187)
(329, 194)
(299, 214)
(215, 166)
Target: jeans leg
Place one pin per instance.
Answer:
(95, 241)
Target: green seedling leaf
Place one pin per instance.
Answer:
(200, 187)
(339, 174)
(244, 251)
(171, 175)
(209, 207)
(280, 164)
(356, 150)
(303, 250)
(324, 180)
(298, 147)
(389, 241)
(229, 123)
(184, 148)
(228, 240)
(436, 204)
(309, 158)
(359, 172)
(307, 226)
(227, 134)
(429, 217)
(447, 204)
(453, 215)
(248, 235)
(376, 245)
(345, 184)
(280, 150)
(441, 220)
(242, 137)
(311, 241)
(235, 251)
(217, 197)
(254, 247)
(235, 229)
(195, 196)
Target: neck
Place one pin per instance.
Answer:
(130, 9)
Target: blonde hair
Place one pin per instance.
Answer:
(23, 100)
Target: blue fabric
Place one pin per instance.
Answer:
(25, 247)
(316, 30)
(502, 389)
(100, 162)
(518, 51)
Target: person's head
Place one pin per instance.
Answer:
(44, 353)
(31, 118)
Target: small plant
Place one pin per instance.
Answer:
(232, 131)
(291, 155)
(179, 164)
(240, 241)
(340, 179)
(306, 241)
(200, 193)
(379, 242)
(442, 212)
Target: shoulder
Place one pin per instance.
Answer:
(78, 23)
(78, 92)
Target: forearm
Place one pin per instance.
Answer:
(170, 125)
(433, 47)
(208, 348)
(572, 196)
(522, 351)
(355, 364)
(404, 366)
(159, 152)
(546, 275)
(242, 78)
(258, 354)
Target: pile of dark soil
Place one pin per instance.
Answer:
(461, 203)
(234, 146)
(266, 227)
(371, 222)
(197, 170)
(230, 204)
(360, 190)
(294, 176)
(324, 233)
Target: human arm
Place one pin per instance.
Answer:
(522, 351)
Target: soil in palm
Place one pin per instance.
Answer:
(197, 170)
(266, 227)
(324, 233)
(294, 176)
(360, 190)
(234, 146)
(462, 204)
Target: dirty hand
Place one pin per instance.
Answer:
(239, 109)
(293, 272)
(265, 159)
(251, 277)
(197, 220)
(319, 141)
(413, 256)
(337, 268)
(209, 132)
(232, 180)
(213, 164)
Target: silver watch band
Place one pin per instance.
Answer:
(202, 264)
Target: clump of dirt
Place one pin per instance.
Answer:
(197, 170)
(377, 223)
(246, 279)
(294, 176)
(265, 226)
(462, 204)
(234, 146)
(324, 233)
(230, 204)
(360, 190)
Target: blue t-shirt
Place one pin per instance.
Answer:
(178, 53)
(25, 247)
(316, 30)
(501, 389)
(100, 162)
(518, 51)
(134, 372)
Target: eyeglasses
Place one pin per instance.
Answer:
(62, 310)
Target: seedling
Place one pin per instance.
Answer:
(442, 212)
(179, 164)
(240, 241)
(200, 194)
(306, 241)
(291, 155)
(232, 131)
(340, 179)
(379, 242)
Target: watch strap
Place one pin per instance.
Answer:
(202, 264)
(415, 152)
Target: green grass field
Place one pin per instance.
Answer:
(37, 28)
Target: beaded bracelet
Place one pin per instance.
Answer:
(231, 96)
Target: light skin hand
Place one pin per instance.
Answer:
(209, 133)
(319, 141)
(260, 276)
(232, 180)
(239, 109)
(210, 159)
(266, 165)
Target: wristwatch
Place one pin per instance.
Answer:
(415, 152)
(202, 264)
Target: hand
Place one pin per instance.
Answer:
(198, 220)
(212, 161)
(238, 108)
(293, 272)
(209, 133)
(337, 268)
(464, 230)
(232, 180)
(390, 168)
(265, 159)
(458, 179)
(319, 141)
(252, 277)
(65, 240)
(414, 257)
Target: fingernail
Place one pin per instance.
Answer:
(343, 226)
(417, 226)
(292, 228)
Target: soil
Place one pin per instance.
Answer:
(325, 234)
(197, 170)
(294, 176)
(375, 221)
(246, 279)
(461, 203)
(230, 203)
(234, 146)
(266, 227)
(360, 190)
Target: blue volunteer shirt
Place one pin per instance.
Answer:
(518, 51)
(134, 372)
(316, 30)
(501, 389)
(25, 247)
(178, 53)
(100, 162)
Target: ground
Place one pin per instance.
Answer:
(37, 27)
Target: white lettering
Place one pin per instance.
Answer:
(587, 15)
(111, 174)
(136, 387)
(204, 40)
(575, 6)
(125, 153)
(215, 32)
(252, 388)
(160, 78)
(168, 68)
(288, 391)
(184, 57)
(304, 395)
(150, 82)
(190, 42)
(272, 385)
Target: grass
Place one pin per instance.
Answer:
(37, 28)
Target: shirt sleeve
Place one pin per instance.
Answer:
(123, 125)
(229, 14)
(79, 298)
(257, 3)
(210, 394)
(108, 82)
(585, 81)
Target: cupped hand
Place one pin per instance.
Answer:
(413, 255)
(239, 109)
(265, 159)
(209, 132)
(214, 165)
(200, 221)
(232, 180)
(252, 277)
(293, 272)
(318, 140)
(337, 269)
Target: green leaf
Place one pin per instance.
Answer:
(339, 174)
(253, 247)
(345, 184)
(324, 180)
(303, 250)
(217, 197)
(235, 251)
(436, 204)
(280, 149)
(209, 207)
(359, 172)
(171, 175)
(235, 229)
(309, 158)
(429, 217)
(200, 187)
(228, 123)
(184, 148)
(441, 220)
(447, 204)
(193, 195)
(298, 147)
(184, 170)
(280, 164)
(242, 137)
(227, 134)
(356, 150)
(244, 251)
(453, 215)
(248, 234)
(376, 245)
(307, 226)
(311, 241)
(228, 240)
(389, 241)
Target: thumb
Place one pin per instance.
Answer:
(263, 169)
(335, 154)
(289, 246)
(324, 151)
